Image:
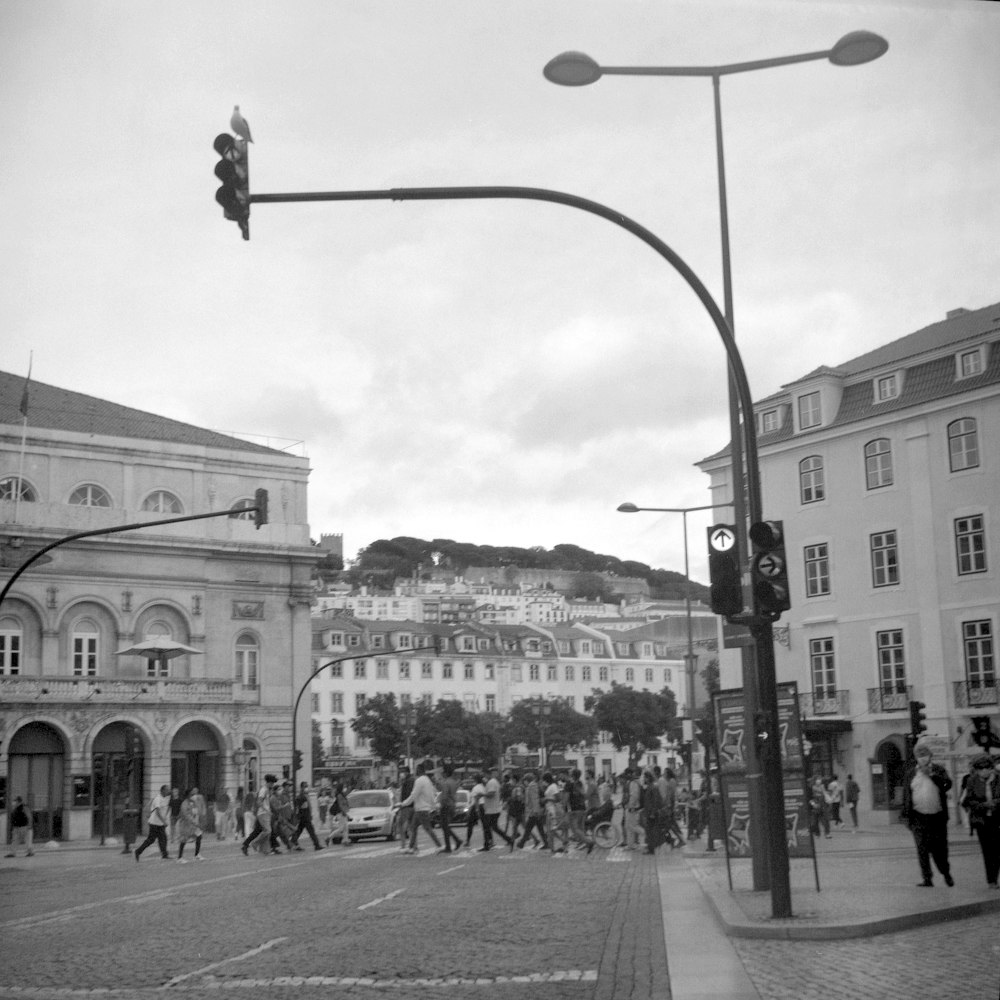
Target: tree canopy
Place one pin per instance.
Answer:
(635, 720)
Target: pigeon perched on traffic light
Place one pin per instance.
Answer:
(239, 125)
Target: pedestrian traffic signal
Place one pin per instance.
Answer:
(918, 718)
(769, 568)
(726, 592)
(260, 513)
(297, 761)
(233, 169)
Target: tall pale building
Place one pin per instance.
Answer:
(886, 473)
(85, 729)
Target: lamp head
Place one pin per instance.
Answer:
(572, 69)
(628, 508)
(858, 47)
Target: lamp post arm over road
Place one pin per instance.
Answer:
(768, 775)
(604, 212)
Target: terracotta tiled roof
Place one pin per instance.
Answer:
(57, 409)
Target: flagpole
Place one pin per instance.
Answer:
(24, 438)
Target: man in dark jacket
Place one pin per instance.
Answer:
(925, 811)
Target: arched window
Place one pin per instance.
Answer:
(878, 463)
(11, 644)
(963, 444)
(85, 643)
(90, 495)
(15, 488)
(158, 631)
(811, 481)
(162, 502)
(243, 515)
(247, 661)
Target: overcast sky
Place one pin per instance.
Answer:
(498, 372)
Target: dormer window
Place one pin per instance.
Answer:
(769, 421)
(971, 362)
(809, 411)
(887, 387)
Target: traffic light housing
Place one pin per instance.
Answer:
(918, 718)
(260, 514)
(769, 568)
(233, 170)
(726, 591)
(297, 761)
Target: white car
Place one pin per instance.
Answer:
(373, 813)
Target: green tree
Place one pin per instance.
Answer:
(379, 721)
(318, 750)
(635, 720)
(564, 726)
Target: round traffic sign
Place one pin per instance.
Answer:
(722, 537)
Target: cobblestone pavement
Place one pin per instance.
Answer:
(352, 922)
(958, 960)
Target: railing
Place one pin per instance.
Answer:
(812, 703)
(973, 694)
(116, 690)
(889, 699)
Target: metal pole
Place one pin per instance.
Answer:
(751, 696)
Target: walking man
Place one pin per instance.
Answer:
(262, 818)
(20, 828)
(852, 792)
(446, 809)
(304, 808)
(422, 799)
(157, 824)
(925, 811)
(491, 813)
(534, 811)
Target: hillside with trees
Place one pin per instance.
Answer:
(381, 562)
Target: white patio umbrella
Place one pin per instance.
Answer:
(161, 649)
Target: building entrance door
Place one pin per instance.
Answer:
(36, 772)
(887, 768)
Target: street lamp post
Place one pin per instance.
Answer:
(576, 69)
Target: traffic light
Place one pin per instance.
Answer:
(233, 169)
(769, 568)
(726, 593)
(260, 514)
(918, 718)
(297, 761)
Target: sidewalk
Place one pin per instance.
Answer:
(868, 885)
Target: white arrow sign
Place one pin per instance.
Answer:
(722, 538)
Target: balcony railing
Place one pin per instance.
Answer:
(889, 699)
(812, 703)
(973, 694)
(115, 690)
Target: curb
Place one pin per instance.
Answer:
(735, 923)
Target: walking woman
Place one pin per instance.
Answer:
(189, 826)
(982, 802)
